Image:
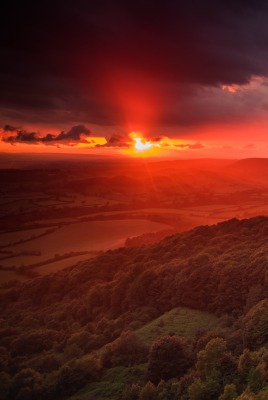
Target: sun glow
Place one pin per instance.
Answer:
(142, 147)
(141, 144)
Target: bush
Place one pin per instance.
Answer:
(26, 384)
(256, 325)
(168, 358)
(76, 374)
(148, 392)
(127, 350)
(33, 342)
(229, 393)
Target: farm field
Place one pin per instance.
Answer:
(66, 241)
(53, 217)
(59, 265)
(10, 238)
(87, 236)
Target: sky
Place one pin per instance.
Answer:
(189, 78)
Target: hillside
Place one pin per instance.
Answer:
(54, 329)
(255, 169)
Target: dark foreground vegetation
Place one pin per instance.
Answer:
(75, 334)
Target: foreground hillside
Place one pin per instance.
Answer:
(112, 323)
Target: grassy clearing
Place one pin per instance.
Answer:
(112, 383)
(179, 321)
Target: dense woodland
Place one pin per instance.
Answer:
(65, 333)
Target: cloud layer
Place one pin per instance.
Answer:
(76, 134)
(130, 62)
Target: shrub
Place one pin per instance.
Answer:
(256, 324)
(168, 358)
(26, 384)
(76, 374)
(229, 393)
(33, 342)
(127, 350)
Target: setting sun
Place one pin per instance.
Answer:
(141, 144)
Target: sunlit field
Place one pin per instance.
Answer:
(72, 243)
(47, 225)
(179, 321)
(134, 200)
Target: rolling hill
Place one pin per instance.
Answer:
(67, 330)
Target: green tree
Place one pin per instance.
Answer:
(246, 362)
(27, 382)
(246, 395)
(209, 359)
(256, 324)
(252, 369)
(132, 392)
(4, 386)
(33, 342)
(216, 368)
(216, 362)
(169, 357)
(148, 392)
(229, 393)
(204, 390)
(76, 374)
(169, 390)
(263, 395)
(127, 350)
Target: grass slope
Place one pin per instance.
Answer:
(112, 383)
(180, 321)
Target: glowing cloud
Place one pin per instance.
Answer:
(140, 143)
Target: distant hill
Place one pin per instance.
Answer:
(250, 168)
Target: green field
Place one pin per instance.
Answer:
(113, 382)
(12, 237)
(59, 265)
(89, 236)
(180, 321)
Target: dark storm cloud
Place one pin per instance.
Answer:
(60, 60)
(10, 128)
(116, 140)
(22, 136)
(74, 135)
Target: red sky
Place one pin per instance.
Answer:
(191, 77)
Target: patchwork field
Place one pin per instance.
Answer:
(66, 245)
(53, 217)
